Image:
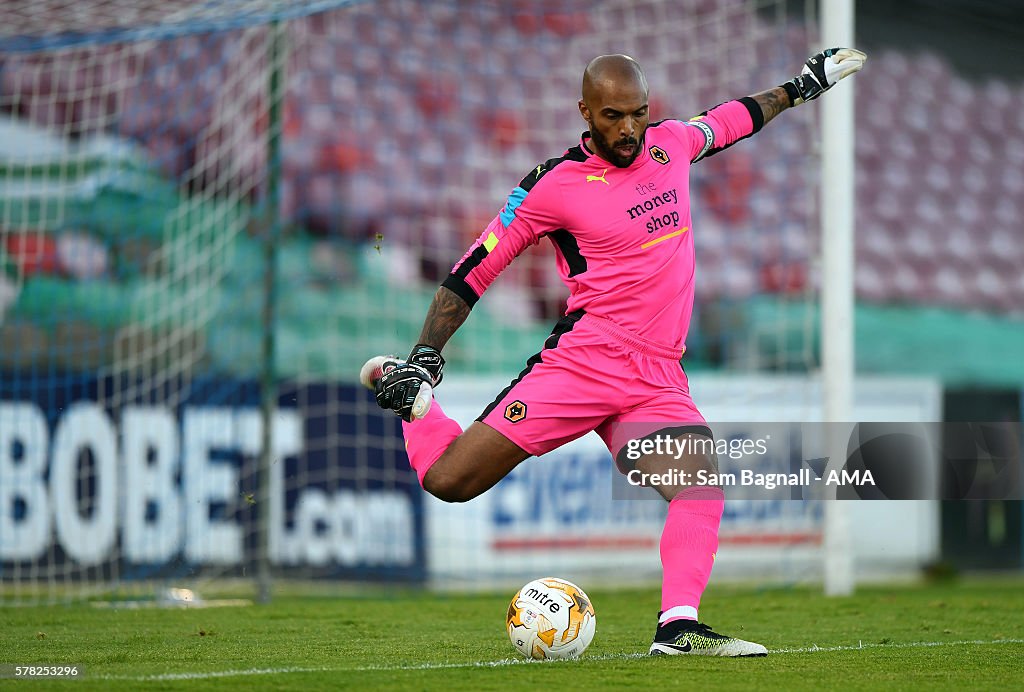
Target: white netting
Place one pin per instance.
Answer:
(130, 169)
(103, 128)
(136, 180)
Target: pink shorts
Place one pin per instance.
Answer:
(594, 375)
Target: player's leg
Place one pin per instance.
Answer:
(452, 465)
(689, 540)
(469, 463)
(689, 544)
(530, 417)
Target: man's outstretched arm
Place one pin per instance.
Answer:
(819, 74)
(727, 124)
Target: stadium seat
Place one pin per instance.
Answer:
(358, 105)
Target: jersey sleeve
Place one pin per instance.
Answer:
(721, 127)
(530, 213)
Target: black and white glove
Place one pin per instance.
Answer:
(821, 72)
(404, 388)
(428, 358)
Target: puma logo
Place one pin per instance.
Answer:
(592, 178)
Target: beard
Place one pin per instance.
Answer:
(610, 153)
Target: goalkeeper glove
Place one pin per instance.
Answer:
(428, 358)
(822, 71)
(401, 387)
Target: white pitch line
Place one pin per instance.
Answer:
(501, 663)
(158, 677)
(613, 657)
(894, 645)
(524, 662)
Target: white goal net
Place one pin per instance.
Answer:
(154, 155)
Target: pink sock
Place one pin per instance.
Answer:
(688, 545)
(427, 438)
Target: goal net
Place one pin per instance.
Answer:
(212, 213)
(135, 159)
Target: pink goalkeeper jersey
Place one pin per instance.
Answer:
(623, 236)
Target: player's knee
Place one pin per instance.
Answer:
(447, 487)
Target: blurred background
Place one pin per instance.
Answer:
(211, 215)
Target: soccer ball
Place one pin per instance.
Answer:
(550, 618)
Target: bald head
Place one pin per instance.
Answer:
(614, 106)
(612, 72)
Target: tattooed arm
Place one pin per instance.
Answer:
(772, 102)
(446, 314)
(820, 73)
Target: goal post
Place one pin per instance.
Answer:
(838, 174)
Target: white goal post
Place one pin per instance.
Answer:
(838, 176)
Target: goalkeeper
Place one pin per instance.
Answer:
(616, 207)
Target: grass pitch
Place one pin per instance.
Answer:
(962, 635)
